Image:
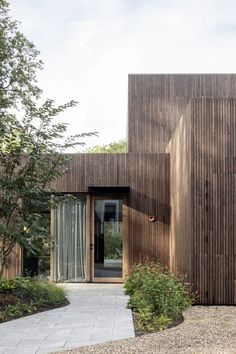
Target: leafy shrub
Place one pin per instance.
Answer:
(42, 292)
(23, 296)
(18, 310)
(157, 297)
(141, 271)
(6, 285)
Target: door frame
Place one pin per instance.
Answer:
(125, 243)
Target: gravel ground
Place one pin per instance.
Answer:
(205, 330)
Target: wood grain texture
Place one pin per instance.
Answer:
(14, 263)
(156, 103)
(213, 172)
(203, 192)
(147, 175)
(179, 148)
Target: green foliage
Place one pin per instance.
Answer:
(116, 147)
(40, 244)
(112, 242)
(15, 311)
(31, 143)
(147, 321)
(141, 271)
(19, 64)
(7, 285)
(156, 296)
(23, 296)
(43, 293)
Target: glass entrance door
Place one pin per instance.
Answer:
(108, 240)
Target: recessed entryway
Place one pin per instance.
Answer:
(90, 239)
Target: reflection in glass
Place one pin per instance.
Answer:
(108, 235)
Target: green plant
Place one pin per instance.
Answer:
(43, 293)
(112, 242)
(147, 321)
(24, 296)
(139, 273)
(115, 147)
(6, 285)
(18, 310)
(157, 297)
(160, 322)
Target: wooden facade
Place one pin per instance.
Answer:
(147, 176)
(213, 131)
(157, 102)
(203, 193)
(193, 118)
(14, 266)
(180, 167)
(179, 148)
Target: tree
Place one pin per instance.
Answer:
(31, 143)
(115, 147)
(19, 64)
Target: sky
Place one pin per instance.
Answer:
(90, 46)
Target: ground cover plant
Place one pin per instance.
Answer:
(157, 297)
(25, 296)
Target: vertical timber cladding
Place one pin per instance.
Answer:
(147, 175)
(213, 133)
(179, 148)
(156, 103)
(202, 195)
(14, 267)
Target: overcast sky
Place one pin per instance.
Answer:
(90, 46)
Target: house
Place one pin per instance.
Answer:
(171, 197)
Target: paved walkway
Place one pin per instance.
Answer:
(97, 313)
(205, 330)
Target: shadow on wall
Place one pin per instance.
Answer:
(150, 206)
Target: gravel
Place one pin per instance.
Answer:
(206, 329)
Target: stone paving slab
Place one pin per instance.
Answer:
(97, 313)
(205, 330)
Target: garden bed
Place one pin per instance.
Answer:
(157, 298)
(25, 296)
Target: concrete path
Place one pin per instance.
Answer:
(97, 313)
(205, 330)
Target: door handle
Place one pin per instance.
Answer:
(91, 246)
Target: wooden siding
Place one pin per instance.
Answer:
(203, 191)
(213, 134)
(14, 264)
(180, 198)
(147, 175)
(156, 103)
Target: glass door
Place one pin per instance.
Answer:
(107, 245)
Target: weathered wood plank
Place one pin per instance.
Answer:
(157, 101)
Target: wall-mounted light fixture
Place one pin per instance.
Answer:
(152, 218)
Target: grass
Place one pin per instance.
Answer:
(157, 297)
(24, 296)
